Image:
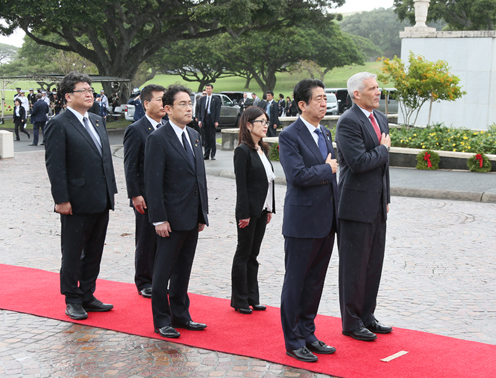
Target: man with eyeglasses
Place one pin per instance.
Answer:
(134, 168)
(79, 165)
(309, 223)
(176, 191)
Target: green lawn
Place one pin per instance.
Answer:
(285, 82)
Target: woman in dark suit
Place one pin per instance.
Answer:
(19, 119)
(254, 207)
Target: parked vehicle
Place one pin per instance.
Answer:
(388, 99)
(236, 96)
(229, 112)
(332, 104)
(343, 99)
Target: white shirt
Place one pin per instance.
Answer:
(24, 102)
(268, 205)
(80, 118)
(312, 129)
(179, 132)
(153, 122)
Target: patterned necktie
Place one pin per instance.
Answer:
(322, 143)
(188, 149)
(376, 127)
(93, 137)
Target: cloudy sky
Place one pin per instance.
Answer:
(350, 6)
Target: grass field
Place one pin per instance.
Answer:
(285, 82)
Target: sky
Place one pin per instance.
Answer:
(350, 6)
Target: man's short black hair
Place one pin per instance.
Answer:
(68, 83)
(209, 85)
(271, 93)
(171, 92)
(303, 90)
(281, 96)
(146, 92)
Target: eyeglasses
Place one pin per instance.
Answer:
(184, 104)
(264, 123)
(84, 91)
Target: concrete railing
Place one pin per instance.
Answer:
(6, 144)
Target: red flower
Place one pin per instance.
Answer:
(479, 157)
(427, 156)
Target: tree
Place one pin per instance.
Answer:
(370, 52)
(262, 54)
(123, 34)
(7, 53)
(195, 61)
(423, 81)
(458, 14)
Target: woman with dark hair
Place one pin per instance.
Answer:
(19, 119)
(254, 207)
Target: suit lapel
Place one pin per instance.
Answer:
(366, 124)
(80, 128)
(174, 140)
(308, 140)
(197, 148)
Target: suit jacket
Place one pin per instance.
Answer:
(39, 111)
(172, 184)
(134, 157)
(364, 166)
(251, 183)
(312, 189)
(22, 114)
(274, 114)
(214, 108)
(78, 173)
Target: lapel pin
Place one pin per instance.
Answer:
(96, 123)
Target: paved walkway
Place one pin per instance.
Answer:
(438, 277)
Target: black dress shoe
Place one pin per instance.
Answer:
(212, 158)
(246, 311)
(168, 332)
(377, 327)
(191, 325)
(146, 292)
(205, 158)
(75, 311)
(97, 306)
(32, 144)
(321, 347)
(302, 354)
(362, 334)
(259, 307)
(42, 144)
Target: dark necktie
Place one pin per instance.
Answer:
(376, 127)
(93, 137)
(188, 149)
(208, 104)
(322, 143)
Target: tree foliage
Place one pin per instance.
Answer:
(423, 81)
(369, 51)
(123, 34)
(458, 14)
(7, 53)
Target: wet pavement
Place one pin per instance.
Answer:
(438, 277)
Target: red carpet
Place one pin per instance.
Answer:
(258, 335)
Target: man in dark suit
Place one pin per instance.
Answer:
(176, 191)
(209, 120)
(134, 168)
(272, 109)
(39, 118)
(79, 165)
(362, 136)
(309, 223)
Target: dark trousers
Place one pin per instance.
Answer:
(173, 263)
(145, 248)
(22, 126)
(361, 256)
(209, 134)
(36, 127)
(83, 238)
(271, 132)
(306, 263)
(245, 265)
